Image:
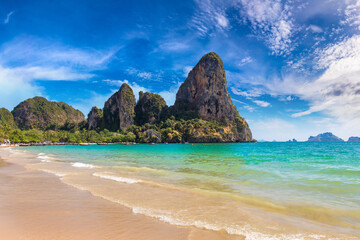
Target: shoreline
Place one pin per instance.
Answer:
(82, 183)
(38, 205)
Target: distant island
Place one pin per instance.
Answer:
(354, 139)
(325, 137)
(203, 112)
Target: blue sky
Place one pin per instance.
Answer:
(293, 67)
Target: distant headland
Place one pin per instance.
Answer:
(203, 112)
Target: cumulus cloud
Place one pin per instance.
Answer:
(337, 90)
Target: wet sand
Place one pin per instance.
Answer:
(37, 205)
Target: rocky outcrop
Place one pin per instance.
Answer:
(354, 139)
(95, 119)
(6, 118)
(152, 136)
(119, 109)
(325, 137)
(40, 113)
(204, 94)
(148, 108)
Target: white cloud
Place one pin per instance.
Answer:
(32, 51)
(27, 59)
(288, 98)
(187, 70)
(235, 100)
(15, 89)
(209, 16)
(170, 95)
(17, 84)
(254, 92)
(134, 86)
(315, 29)
(96, 99)
(352, 13)
(7, 19)
(173, 46)
(262, 103)
(222, 20)
(337, 91)
(144, 75)
(272, 21)
(249, 108)
(245, 61)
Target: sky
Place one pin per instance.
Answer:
(292, 67)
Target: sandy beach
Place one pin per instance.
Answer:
(37, 205)
(44, 198)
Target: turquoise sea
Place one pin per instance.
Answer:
(236, 187)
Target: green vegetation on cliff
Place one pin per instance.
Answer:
(170, 130)
(6, 118)
(39, 113)
(203, 112)
(149, 108)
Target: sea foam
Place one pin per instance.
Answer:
(53, 172)
(44, 157)
(116, 178)
(82, 165)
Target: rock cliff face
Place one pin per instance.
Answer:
(325, 137)
(119, 109)
(95, 119)
(149, 108)
(204, 94)
(40, 113)
(7, 118)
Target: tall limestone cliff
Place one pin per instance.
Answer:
(95, 119)
(148, 108)
(119, 109)
(40, 113)
(6, 118)
(204, 94)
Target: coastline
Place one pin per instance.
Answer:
(131, 204)
(37, 205)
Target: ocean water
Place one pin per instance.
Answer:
(258, 190)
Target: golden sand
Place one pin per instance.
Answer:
(37, 205)
(42, 199)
